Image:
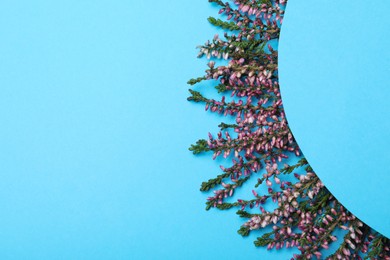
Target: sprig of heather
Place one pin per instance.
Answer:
(305, 215)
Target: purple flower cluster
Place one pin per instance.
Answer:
(259, 143)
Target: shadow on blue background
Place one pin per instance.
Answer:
(334, 76)
(95, 131)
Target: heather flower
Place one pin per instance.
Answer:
(260, 145)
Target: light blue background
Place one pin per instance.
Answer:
(94, 133)
(334, 64)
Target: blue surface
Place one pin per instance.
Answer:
(94, 133)
(335, 72)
